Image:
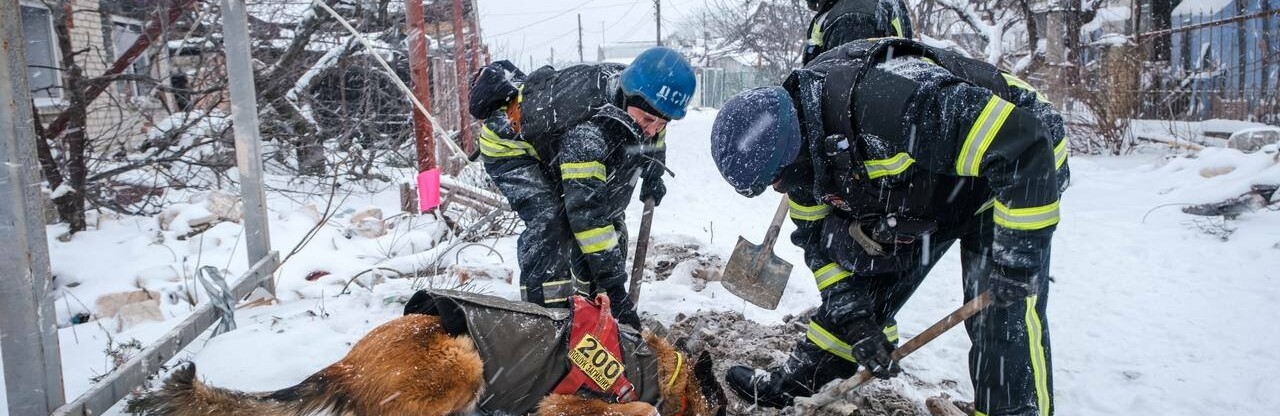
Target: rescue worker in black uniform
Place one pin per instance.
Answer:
(890, 152)
(842, 21)
(566, 147)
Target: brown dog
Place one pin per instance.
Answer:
(412, 365)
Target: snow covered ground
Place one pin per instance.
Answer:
(1149, 314)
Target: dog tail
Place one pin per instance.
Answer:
(185, 395)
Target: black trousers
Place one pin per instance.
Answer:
(1009, 362)
(552, 266)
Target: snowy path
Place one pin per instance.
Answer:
(1147, 318)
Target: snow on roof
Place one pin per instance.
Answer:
(1201, 6)
(279, 11)
(1107, 15)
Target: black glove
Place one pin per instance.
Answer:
(874, 351)
(622, 308)
(1009, 285)
(653, 188)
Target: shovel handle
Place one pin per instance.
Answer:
(938, 328)
(775, 227)
(642, 250)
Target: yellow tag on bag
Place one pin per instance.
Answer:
(598, 363)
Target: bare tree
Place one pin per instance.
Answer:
(771, 31)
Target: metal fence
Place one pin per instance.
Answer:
(1223, 64)
(717, 84)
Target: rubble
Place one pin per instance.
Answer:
(734, 340)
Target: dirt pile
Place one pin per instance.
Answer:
(735, 340)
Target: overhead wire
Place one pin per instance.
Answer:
(541, 21)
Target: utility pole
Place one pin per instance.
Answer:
(460, 64)
(420, 75)
(580, 60)
(552, 60)
(657, 19)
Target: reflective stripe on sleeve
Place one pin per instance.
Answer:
(828, 342)
(583, 170)
(800, 212)
(1060, 153)
(897, 26)
(1014, 81)
(830, 274)
(891, 332)
(815, 35)
(494, 146)
(981, 134)
(895, 165)
(1030, 218)
(597, 239)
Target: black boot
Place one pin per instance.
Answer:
(808, 369)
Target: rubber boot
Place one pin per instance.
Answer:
(806, 371)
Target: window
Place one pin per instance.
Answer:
(42, 55)
(123, 34)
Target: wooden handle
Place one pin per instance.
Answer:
(775, 227)
(864, 375)
(642, 250)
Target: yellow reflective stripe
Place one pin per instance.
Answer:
(679, 365)
(828, 342)
(494, 146)
(1014, 81)
(662, 139)
(886, 167)
(815, 35)
(597, 239)
(1038, 362)
(830, 274)
(1030, 218)
(520, 94)
(990, 203)
(897, 26)
(981, 134)
(582, 170)
(979, 413)
(891, 332)
(1060, 154)
(929, 61)
(800, 212)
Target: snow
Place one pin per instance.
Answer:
(1149, 315)
(1212, 132)
(1105, 16)
(1200, 6)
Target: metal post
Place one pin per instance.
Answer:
(460, 62)
(419, 74)
(580, 60)
(244, 119)
(657, 19)
(28, 331)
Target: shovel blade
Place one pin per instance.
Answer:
(756, 275)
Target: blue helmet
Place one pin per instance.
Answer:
(663, 79)
(756, 134)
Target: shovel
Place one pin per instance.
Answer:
(829, 396)
(753, 272)
(642, 250)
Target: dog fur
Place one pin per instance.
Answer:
(410, 366)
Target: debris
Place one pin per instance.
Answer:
(1258, 197)
(669, 259)
(465, 273)
(109, 305)
(368, 223)
(943, 406)
(132, 314)
(734, 340)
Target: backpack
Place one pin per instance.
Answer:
(553, 101)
